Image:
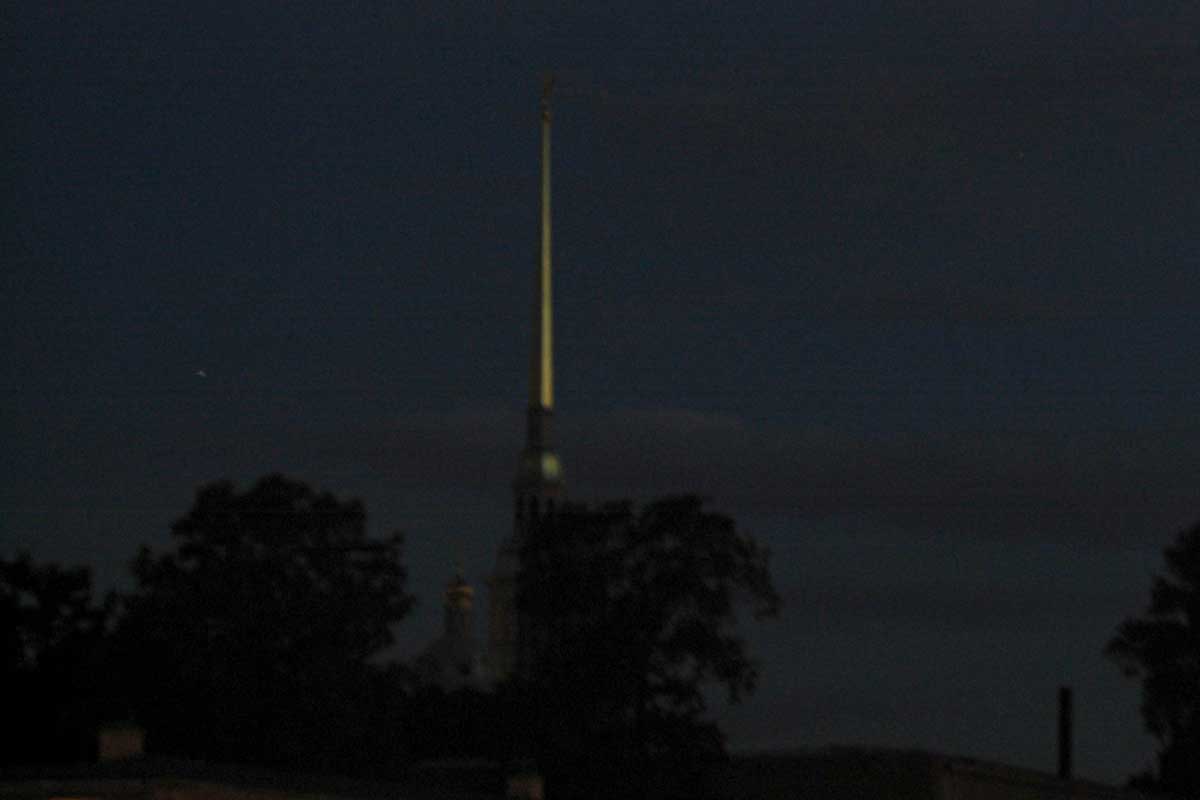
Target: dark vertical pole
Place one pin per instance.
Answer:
(1064, 732)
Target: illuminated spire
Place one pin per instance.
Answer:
(541, 375)
(539, 476)
(538, 486)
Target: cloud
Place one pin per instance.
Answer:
(1105, 486)
(940, 597)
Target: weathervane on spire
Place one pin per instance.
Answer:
(547, 90)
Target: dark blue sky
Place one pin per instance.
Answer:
(910, 289)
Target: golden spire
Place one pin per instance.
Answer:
(541, 377)
(539, 471)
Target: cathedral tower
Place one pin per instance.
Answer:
(538, 485)
(539, 475)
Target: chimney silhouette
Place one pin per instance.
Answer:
(1064, 732)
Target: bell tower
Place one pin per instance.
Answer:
(539, 474)
(538, 486)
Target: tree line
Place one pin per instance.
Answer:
(260, 637)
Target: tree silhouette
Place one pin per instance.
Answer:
(52, 635)
(252, 640)
(1162, 648)
(626, 619)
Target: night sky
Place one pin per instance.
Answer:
(910, 289)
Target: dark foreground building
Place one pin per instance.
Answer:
(832, 774)
(874, 774)
(174, 779)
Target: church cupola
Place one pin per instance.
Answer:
(458, 602)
